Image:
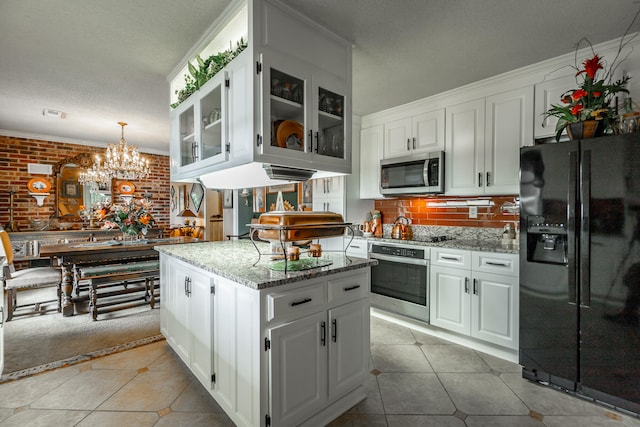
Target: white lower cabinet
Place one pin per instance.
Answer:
(295, 354)
(475, 294)
(316, 359)
(186, 301)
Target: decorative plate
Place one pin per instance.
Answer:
(39, 185)
(125, 187)
(291, 135)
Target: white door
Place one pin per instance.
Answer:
(179, 334)
(509, 126)
(428, 132)
(546, 94)
(298, 369)
(371, 142)
(450, 299)
(200, 299)
(494, 309)
(224, 348)
(1, 335)
(397, 141)
(348, 347)
(465, 149)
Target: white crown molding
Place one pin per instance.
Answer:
(53, 138)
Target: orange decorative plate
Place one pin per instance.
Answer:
(39, 185)
(291, 135)
(125, 187)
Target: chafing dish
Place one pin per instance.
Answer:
(288, 226)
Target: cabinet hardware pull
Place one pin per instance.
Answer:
(488, 175)
(258, 140)
(350, 288)
(475, 286)
(408, 144)
(355, 246)
(334, 330)
(479, 179)
(414, 143)
(1, 316)
(302, 301)
(323, 333)
(187, 285)
(311, 142)
(466, 285)
(450, 258)
(317, 143)
(499, 264)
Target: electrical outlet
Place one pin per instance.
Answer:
(473, 212)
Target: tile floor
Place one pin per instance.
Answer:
(417, 380)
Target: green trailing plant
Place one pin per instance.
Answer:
(206, 69)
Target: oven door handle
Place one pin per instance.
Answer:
(400, 260)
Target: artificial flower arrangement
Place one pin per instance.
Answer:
(131, 218)
(592, 99)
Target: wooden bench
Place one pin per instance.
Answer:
(119, 286)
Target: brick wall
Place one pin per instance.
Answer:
(17, 153)
(419, 211)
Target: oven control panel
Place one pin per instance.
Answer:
(400, 251)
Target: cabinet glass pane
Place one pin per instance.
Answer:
(211, 110)
(187, 137)
(287, 111)
(330, 123)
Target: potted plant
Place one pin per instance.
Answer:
(587, 110)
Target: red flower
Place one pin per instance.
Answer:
(591, 66)
(576, 109)
(579, 93)
(596, 93)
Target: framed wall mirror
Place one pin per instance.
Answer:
(70, 193)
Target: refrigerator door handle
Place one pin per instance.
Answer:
(572, 282)
(585, 254)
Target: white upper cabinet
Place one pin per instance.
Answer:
(285, 100)
(305, 110)
(371, 140)
(546, 94)
(199, 128)
(417, 134)
(483, 140)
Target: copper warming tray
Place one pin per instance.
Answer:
(289, 226)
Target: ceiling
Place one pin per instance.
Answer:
(102, 62)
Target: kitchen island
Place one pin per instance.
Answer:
(272, 348)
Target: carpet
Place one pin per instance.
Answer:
(36, 343)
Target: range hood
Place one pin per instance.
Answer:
(288, 173)
(256, 174)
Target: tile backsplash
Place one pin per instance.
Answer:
(492, 211)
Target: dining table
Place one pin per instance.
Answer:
(69, 256)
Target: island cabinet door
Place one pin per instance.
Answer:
(200, 303)
(298, 369)
(348, 347)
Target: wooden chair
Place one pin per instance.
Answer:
(28, 278)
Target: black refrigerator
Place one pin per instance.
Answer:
(580, 267)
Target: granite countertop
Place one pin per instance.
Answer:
(483, 245)
(234, 260)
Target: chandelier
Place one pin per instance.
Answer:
(123, 162)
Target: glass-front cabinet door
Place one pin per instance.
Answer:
(285, 108)
(211, 147)
(304, 112)
(199, 129)
(329, 112)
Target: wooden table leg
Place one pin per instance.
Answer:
(67, 290)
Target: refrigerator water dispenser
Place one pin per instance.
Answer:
(547, 243)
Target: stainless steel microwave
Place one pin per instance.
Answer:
(413, 175)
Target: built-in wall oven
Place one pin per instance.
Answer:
(400, 281)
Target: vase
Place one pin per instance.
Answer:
(129, 236)
(585, 130)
